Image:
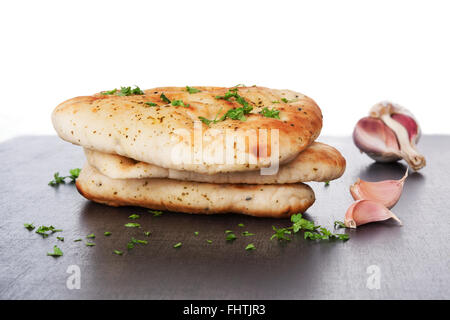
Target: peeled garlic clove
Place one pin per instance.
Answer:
(366, 211)
(389, 134)
(386, 192)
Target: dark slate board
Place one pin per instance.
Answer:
(413, 259)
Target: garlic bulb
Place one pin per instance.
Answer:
(386, 192)
(389, 134)
(365, 211)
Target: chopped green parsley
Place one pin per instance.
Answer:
(45, 231)
(132, 225)
(192, 90)
(231, 237)
(164, 98)
(57, 252)
(273, 113)
(124, 91)
(250, 246)
(281, 234)
(177, 103)
(155, 213)
(57, 179)
(236, 113)
(29, 226)
(288, 101)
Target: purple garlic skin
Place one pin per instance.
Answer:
(389, 134)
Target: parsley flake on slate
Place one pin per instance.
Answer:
(250, 246)
(130, 245)
(42, 230)
(29, 226)
(57, 179)
(177, 245)
(280, 234)
(241, 225)
(90, 244)
(147, 233)
(118, 252)
(91, 236)
(134, 241)
(74, 173)
(192, 90)
(302, 224)
(107, 233)
(231, 237)
(273, 113)
(339, 224)
(134, 216)
(132, 225)
(155, 213)
(164, 98)
(196, 233)
(56, 252)
(209, 241)
(247, 234)
(315, 232)
(342, 236)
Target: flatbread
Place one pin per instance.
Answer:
(319, 162)
(127, 126)
(277, 201)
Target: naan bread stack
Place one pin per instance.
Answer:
(200, 150)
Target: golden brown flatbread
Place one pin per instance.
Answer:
(275, 201)
(129, 126)
(319, 162)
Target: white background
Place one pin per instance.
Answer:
(347, 55)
